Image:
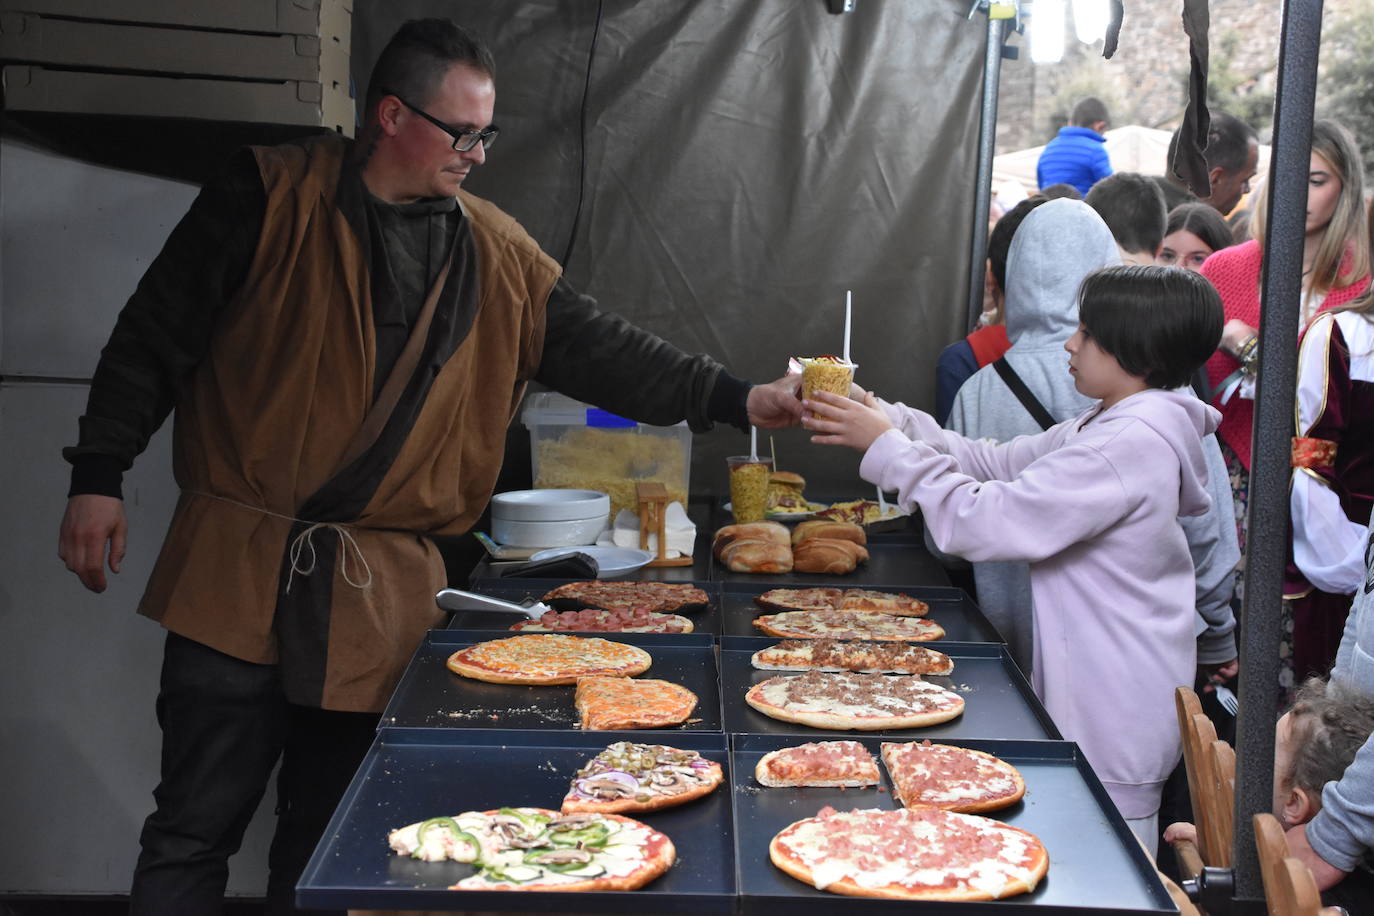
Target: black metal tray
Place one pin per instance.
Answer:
(431, 696)
(951, 608)
(888, 561)
(998, 703)
(1096, 865)
(413, 774)
(703, 621)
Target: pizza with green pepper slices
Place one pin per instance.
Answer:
(529, 849)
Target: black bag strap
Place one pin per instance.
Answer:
(1023, 394)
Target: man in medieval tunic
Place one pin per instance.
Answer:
(345, 336)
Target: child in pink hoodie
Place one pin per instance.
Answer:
(1093, 505)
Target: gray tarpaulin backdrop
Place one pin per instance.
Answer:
(747, 161)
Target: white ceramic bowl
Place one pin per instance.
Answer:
(550, 506)
(559, 533)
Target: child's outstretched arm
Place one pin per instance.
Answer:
(845, 421)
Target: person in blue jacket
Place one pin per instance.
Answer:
(1078, 154)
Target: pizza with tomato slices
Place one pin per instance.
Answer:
(953, 778)
(910, 854)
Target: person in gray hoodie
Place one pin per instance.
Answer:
(1057, 245)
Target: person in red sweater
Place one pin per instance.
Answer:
(1336, 266)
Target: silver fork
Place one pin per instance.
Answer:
(1226, 696)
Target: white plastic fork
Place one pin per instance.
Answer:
(1226, 697)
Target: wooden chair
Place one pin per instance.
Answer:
(1289, 888)
(1211, 766)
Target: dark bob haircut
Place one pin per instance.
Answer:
(1160, 323)
(418, 57)
(1203, 221)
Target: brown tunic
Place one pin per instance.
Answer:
(264, 423)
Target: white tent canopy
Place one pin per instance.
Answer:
(1132, 149)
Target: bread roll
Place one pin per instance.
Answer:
(751, 555)
(823, 528)
(827, 555)
(760, 531)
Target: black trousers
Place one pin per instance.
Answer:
(225, 723)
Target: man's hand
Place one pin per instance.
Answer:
(91, 524)
(845, 421)
(1218, 674)
(1327, 875)
(776, 404)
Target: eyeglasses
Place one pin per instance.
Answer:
(464, 138)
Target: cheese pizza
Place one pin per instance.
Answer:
(629, 778)
(837, 599)
(534, 849)
(864, 657)
(605, 703)
(910, 854)
(861, 702)
(661, 597)
(848, 625)
(818, 763)
(598, 620)
(551, 659)
(953, 778)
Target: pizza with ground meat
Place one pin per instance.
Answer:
(534, 849)
(818, 763)
(910, 854)
(629, 778)
(597, 620)
(659, 597)
(842, 599)
(864, 657)
(848, 625)
(548, 659)
(606, 703)
(846, 700)
(953, 778)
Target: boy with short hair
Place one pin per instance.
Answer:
(1092, 504)
(1132, 206)
(1078, 153)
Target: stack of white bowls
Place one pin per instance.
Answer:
(549, 518)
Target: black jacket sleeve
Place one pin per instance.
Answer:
(601, 358)
(164, 330)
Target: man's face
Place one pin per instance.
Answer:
(1229, 187)
(465, 98)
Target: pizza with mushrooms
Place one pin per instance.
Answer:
(628, 778)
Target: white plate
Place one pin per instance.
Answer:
(611, 561)
(780, 516)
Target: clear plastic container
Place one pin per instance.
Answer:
(575, 445)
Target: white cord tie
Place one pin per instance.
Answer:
(305, 540)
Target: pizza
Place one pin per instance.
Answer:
(534, 849)
(551, 659)
(864, 657)
(848, 625)
(842, 599)
(819, 763)
(953, 778)
(597, 620)
(605, 703)
(629, 777)
(847, 700)
(910, 854)
(660, 597)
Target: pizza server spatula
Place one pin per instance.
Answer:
(453, 599)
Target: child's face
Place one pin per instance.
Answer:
(1096, 373)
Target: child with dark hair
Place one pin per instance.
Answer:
(1092, 504)
(1191, 233)
(1132, 206)
(1078, 153)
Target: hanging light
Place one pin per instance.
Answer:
(1047, 31)
(1090, 20)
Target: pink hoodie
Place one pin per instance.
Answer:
(1092, 504)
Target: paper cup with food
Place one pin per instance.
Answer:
(749, 486)
(826, 373)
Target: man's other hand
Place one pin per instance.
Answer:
(91, 525)
(776, 404)
(1326, 874)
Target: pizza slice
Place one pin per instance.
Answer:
(953, 778)
(598, 620)
(860, 702)
(800, 599)
(630, 777)
(859, 599)
(848, 625)
(864, 657)
(910, 854)
(605, 703)
(818, 763)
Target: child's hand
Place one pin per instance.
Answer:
(1180, 832)
(844, 421)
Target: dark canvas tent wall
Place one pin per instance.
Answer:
(746, 162)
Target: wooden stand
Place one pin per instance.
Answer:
(653, 511)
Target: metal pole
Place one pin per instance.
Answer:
(1267, 546)
(987, 142)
